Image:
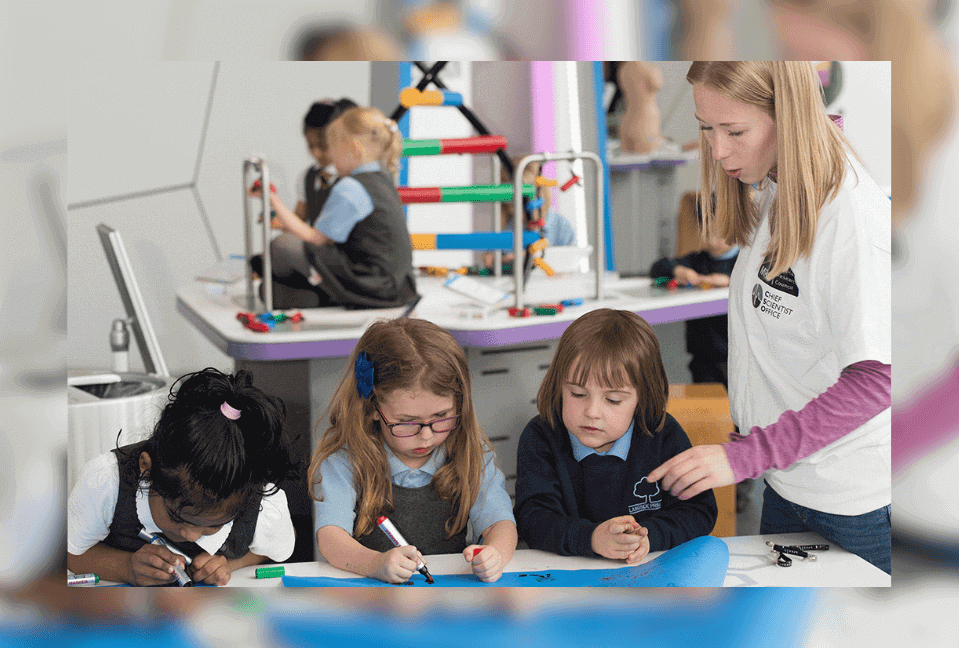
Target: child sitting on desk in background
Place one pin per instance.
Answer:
(358, 252)
(404, 442)
(581, 487)
(287, 252)
(557, 230)
(205, 479)
(707, 338)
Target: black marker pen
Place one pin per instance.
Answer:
(792, 551)
(397, 539)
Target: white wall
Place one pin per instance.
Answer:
(175, 135)
(864, 103)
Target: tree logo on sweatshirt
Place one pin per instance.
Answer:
(646, 493)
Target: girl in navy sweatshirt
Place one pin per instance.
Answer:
(582, 463)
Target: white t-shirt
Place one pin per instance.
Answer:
(790, 337)
(94, 498)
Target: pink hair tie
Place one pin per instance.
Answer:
(229, 412)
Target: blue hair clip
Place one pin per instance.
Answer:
(363, 369)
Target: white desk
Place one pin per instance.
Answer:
(750, 565)
(508, 356)
(332, 332)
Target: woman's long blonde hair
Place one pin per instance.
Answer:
(810, 160)
(406, 354)
(377, 132)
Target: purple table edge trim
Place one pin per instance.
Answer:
(478, 339)
(269, 351)
(554, 329)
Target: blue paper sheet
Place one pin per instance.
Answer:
(701, 562)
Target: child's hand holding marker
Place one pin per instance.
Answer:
(621, 538)
(397, 561)
(212, 570)
(154, 564)
(398, 564)
(486, 562)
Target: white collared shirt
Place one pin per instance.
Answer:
(94, 499)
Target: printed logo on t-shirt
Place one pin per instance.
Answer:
(784, 281)
(770, 303)
(646, 494)
(774, 302)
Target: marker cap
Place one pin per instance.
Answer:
(270, 572)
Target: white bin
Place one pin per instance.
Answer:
(102, 405)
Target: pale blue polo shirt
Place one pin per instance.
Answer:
(558, 230)
(620, 447)
(348, 203)
(339, 497)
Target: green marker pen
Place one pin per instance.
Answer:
(273, 571)
(82, 579)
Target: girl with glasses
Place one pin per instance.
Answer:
(404, 442)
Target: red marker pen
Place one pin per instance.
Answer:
(398, 541)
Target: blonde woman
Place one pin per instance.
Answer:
(809, 308)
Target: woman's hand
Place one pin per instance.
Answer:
(694, 471)
(398, 564)
(212, 570)
(486, 562)
(619, 538)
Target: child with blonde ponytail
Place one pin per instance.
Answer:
(358, 251)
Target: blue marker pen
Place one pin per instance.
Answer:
(182, 578)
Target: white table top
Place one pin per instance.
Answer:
(332, 332)
(750, 565)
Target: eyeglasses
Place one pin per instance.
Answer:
(439, 426)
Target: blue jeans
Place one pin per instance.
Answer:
(867, 535)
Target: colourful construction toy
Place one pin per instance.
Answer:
(539, 263)
(466, 193)
(480, 144)
(265, 322)
(575, 180)
(470, 241)
(415, 97)
(258, 184)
